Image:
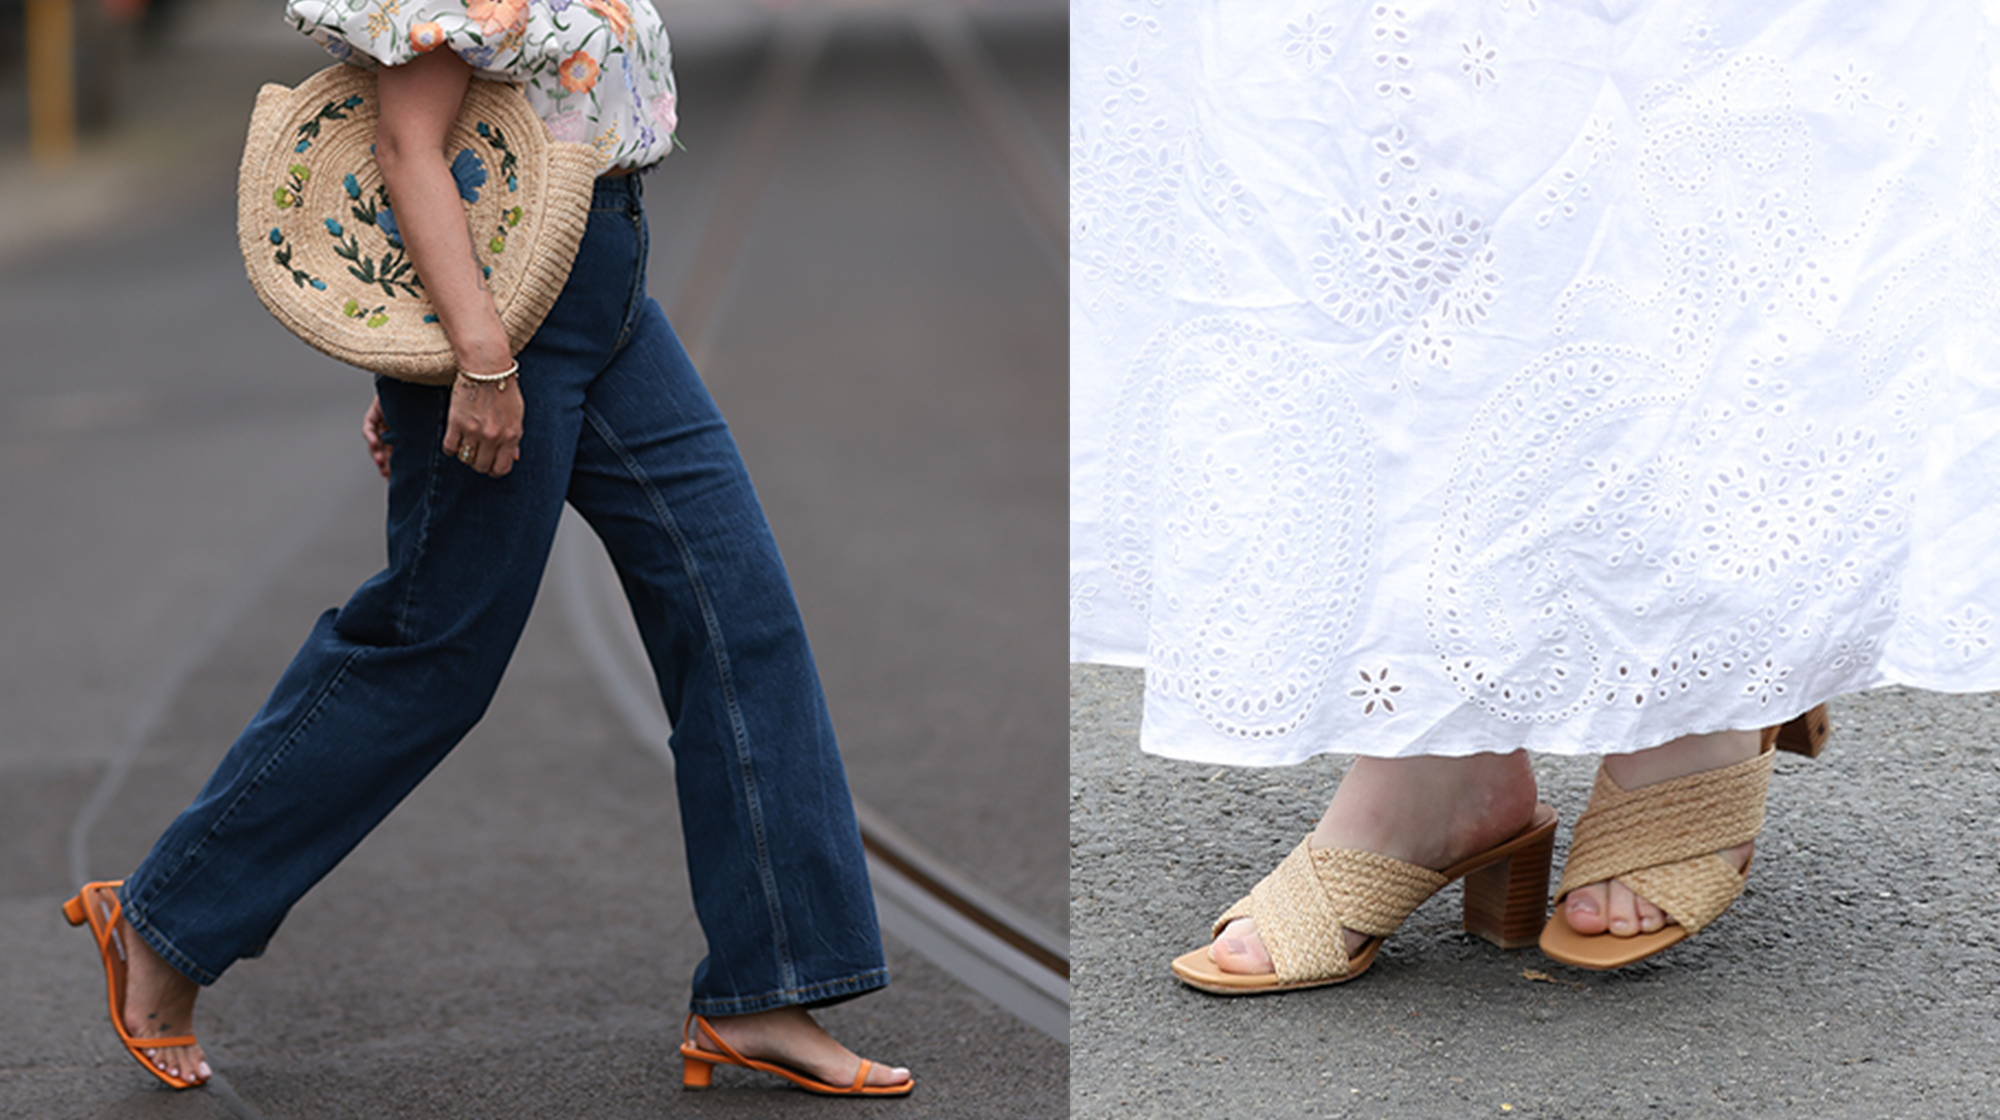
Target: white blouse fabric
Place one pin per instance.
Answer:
(598, 72)
(1456, 377)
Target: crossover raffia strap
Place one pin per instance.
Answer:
(1301, 906)
(1663, 839)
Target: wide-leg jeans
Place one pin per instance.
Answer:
(618, 425)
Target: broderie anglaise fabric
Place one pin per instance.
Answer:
(1455, 377)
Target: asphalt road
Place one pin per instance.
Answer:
(186, 489)
(1857, 977)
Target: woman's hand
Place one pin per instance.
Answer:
(484, 428)
(374, 429)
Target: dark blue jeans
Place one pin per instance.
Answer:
(619, 426)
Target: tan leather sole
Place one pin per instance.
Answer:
(1604, 951)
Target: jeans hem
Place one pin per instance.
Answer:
(180, 962)
(814, 995)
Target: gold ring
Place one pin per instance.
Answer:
(465, 453)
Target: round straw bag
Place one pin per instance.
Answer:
(320, 240)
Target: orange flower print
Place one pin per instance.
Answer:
(616, 14)
(425, 37)
(497, 17)
(578, 73)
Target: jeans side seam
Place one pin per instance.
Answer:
(753, 805)
(421, 536)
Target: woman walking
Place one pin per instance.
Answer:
(604, 411)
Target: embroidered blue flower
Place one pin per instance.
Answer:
(469, 171)
(385, 220)
(333, 228)
(353, 188)
(484, 130)
(318, 285)
(277, 237)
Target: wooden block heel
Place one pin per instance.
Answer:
(1507, 901)
(1805, 735)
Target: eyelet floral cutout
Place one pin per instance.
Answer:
(319, 232)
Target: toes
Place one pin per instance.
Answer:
(1238, 948)
(887, 1075)
(1651, 918)
(1584, 909)
(1621, 910)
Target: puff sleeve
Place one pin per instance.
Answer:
(597, 72)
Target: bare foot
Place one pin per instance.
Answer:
(787, 1036)
(1612, 907)
(159, 1003)
(1432, 812)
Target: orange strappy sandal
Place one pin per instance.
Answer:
(97, 904)
(698, 1066)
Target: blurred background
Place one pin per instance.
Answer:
(861, 245)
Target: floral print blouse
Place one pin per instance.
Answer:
(599, 72)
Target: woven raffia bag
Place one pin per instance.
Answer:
(319, 236)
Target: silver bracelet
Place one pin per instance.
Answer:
(491, 378)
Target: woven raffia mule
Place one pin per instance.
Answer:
(1665, 841)
(1302, 907)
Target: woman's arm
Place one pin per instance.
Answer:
(419, 101)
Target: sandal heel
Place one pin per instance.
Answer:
(74, 911)
(696, 1074)
(1507, 901)
(1805, 735)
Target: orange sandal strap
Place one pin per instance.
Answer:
(103, 922)
(724, 1054)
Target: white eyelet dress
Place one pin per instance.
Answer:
(1461, 377)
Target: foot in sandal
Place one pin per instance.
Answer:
(1613, 907)
(1662, 849)
(148, 997)
(788, 1037)
(1427, 811)
(159, 1003)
